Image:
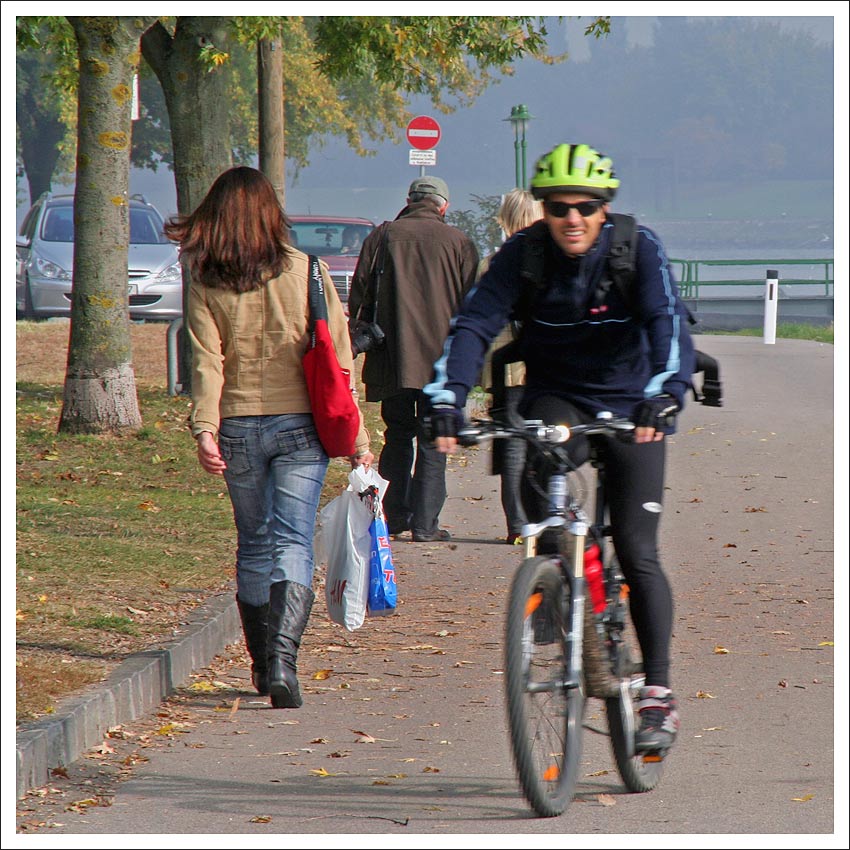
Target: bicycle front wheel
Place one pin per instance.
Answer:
(545, 714)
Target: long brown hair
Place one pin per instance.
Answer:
(238, 237)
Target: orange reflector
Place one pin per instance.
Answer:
(533, 603)
(652, 758)
(624, 592)
(551, 773)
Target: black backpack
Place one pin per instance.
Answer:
(620, 273)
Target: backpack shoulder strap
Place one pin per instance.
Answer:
(532, 271)
(621, 260)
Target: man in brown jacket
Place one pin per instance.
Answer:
(426, 267)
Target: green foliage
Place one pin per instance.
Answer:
(790, 330)
(480, 225)
(452, 55)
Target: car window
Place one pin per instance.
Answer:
(145, 228)
(326, 238)
(58, 224)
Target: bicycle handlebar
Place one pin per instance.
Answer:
(534, 431)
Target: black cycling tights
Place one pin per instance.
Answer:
(635, 485)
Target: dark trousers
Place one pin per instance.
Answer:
(415, 470)
(512, 465)
(635, 488)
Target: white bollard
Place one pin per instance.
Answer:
(771, 299)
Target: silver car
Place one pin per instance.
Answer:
(45, 262)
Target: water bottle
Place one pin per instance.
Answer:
(594, 578)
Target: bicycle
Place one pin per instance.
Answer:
(552, 649)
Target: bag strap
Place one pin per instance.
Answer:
(316, 304)
(377, 272)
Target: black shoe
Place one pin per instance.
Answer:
(439, 536)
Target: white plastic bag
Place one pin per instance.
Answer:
(343, 542)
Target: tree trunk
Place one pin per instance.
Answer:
(100, 387)
(197, 97)
(270, 114)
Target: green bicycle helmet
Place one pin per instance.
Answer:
(574, 168)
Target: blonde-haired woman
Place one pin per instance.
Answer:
(518, 210)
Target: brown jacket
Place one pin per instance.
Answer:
(247, 348)
(429, 268)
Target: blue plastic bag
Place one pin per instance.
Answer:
(383, 590)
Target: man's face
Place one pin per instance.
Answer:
(574, 233)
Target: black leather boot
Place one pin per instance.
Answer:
(289, 610)
(255, 625)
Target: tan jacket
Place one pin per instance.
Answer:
(247, 348)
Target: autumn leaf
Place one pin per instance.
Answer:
(60, 771)
(803, 799)
(148, 505)
(606, 800)
(705, 695)
(364, 738)
(827, 643)
(202, 687)
(721, 650)
(430, 769)
(261, 819)
(322, 772)
(320, 675)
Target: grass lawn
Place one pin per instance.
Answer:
(118, 538)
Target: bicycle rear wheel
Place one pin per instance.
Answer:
(640, 772)
(545, 715)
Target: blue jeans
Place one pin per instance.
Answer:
(275, 470)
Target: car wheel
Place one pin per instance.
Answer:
(29, 310)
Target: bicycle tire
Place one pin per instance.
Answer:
(545, 716)
(640, 772)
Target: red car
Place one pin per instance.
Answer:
(337, 240)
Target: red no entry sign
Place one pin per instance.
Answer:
(423, 133)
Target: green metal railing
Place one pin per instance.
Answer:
(688, 274)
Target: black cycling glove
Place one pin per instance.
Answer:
(443, 420)
(657, 412)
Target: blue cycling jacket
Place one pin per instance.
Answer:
(608, 356)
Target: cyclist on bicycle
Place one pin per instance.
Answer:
(588, 347)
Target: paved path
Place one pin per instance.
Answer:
(406, 735)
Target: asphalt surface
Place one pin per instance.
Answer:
(402, 736)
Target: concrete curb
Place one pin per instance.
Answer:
(134, 688)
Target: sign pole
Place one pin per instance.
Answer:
(771, 297)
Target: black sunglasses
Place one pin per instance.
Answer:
(561, 209)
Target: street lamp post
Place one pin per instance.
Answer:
(519, 118)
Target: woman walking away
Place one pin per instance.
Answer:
(247, 322)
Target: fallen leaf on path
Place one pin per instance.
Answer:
(606, 800)
(827, 643)
(721, 650)
(320, 675)
(261, 819)
(783, 683)
(804, 799)
(705, 695)
(235, 707)
(363, 737)
(430, 769)
(322, 772)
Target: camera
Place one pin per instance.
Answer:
(366, 336)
